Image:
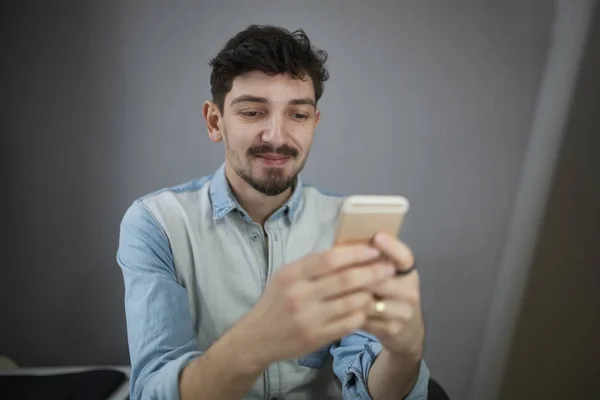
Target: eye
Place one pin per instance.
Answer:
(300, 116)
(251, 114)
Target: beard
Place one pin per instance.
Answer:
(270, 181)
(275, 183)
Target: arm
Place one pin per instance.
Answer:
(365, 371)
(159, 324)
(215, 376)
(391, 378)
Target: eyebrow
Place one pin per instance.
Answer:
(263, 100)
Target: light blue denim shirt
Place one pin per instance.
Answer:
(194, 263)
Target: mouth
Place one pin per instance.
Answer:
(272, 159)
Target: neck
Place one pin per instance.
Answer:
(258, 205)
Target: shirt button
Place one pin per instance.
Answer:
(275, 237)
(254, 237)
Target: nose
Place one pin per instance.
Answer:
(274, 133)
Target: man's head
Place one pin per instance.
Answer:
(265, 84)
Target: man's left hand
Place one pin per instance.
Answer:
(396, 319)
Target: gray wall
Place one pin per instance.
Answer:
(558, 326)
(542, 321)
(104, 105)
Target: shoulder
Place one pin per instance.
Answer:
(153, 207)
(181, 190)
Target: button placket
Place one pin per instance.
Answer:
(257, 244)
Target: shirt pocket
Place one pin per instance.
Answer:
(315, 359)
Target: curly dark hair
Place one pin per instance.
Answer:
(272, 50)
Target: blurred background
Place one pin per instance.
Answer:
(486, 115)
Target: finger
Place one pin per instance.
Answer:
(336, 329)
(351, 279)
(344, 305)
(339, 257)
(393, 248)
(392, 310)
(383, 328)
(404, 288)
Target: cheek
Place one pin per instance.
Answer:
(303, 136)
(237, 148)
(237, 139)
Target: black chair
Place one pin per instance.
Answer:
(435, 391)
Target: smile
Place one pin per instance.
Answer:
(272, 159)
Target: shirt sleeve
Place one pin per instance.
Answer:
(159, 323)
(353, 358)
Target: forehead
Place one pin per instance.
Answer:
(277, 89)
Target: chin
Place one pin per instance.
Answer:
(268, 170)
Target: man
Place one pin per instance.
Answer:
(233, 289)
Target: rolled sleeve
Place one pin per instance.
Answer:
(353, 358)
(419, 392)
(159, 324)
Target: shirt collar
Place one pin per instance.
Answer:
(224, 202)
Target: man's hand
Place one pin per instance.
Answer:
(397, 322)
(396, 318)
(312, 302)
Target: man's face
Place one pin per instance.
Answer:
(268, 124)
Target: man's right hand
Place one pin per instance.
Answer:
(312, 302)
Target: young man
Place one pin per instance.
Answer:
(233, 290)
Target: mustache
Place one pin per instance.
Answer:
(284, 150)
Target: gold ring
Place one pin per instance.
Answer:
(380, 307)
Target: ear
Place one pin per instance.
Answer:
(213, 117)
(317, 117)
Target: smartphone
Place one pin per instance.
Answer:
(361, 217)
